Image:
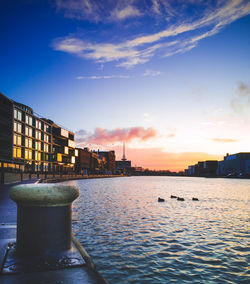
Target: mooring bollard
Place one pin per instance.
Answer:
(43, 218)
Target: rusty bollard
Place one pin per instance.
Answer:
(43, 218)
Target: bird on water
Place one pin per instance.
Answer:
(180, 199)
(161, 199)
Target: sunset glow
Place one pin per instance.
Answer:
(168, 78)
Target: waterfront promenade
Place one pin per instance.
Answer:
(8, 219)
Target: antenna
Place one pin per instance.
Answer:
(123, 156)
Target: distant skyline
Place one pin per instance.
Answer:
(170, 78)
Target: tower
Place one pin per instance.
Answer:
(123, 156)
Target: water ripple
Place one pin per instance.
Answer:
(134, 239)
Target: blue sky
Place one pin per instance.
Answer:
(168, 77)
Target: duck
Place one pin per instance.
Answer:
(195, 199)
(161, 199)
(173, 196)
(180, 199)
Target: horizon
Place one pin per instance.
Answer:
(171, 79)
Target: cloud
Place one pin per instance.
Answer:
(152, 73)
(156, 7)
(124, 13)
(98, 11)
(104, 137)
(79, 9)
(81, 132)
(94, 77)
(182, 35)
(242, 99)
(224, 140)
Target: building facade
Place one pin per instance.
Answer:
(123, 166)
(108, 158)
(203, 169)
(83, 161)
(6, 129)
(63, 150)
(236, 164)
(30, 143)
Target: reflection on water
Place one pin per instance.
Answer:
(134, 239)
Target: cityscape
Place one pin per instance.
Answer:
(124, 141)
(33, 144)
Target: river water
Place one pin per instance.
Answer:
(134, 239)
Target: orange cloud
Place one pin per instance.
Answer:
(103, 136)
(224, 140)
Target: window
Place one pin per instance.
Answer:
(28, 131)
(64, 133)
(17, 139)
(76, 153)
(73, 159)
(66, 150)
(46, 138)
(17, 127)
(46, 147)
(17, 153)
(17, 114)
(28, 119)
(71, 143)
(46, 128)
(28, 154)
(37, 156)
(46, 157)
(38, 134)
(38, 124)
(45, 167)
(38, 145)
(38, 167)
(59, 157)
(28, 142)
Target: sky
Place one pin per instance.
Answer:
(169, 78)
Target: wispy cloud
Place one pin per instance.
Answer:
(102, 77)
(104, 136)
(224, 140)
(171, 135)
(179, 37)
(242, 99)
(152, 73)
(125, 12)
(79, 9)
(98, 11)
(156, 7)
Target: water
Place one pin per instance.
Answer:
(134, 239)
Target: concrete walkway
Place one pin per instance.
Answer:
(8, 212)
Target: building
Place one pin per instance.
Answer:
(93, 162)
(83, 161)
(109, 158)
(203, 169)
(63, 150)
(30, 143)
(191, 170)
(210, 168)
(6, 130)
(123, 165)
(236, 164)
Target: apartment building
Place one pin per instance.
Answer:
(31, 143)
(63, 150)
